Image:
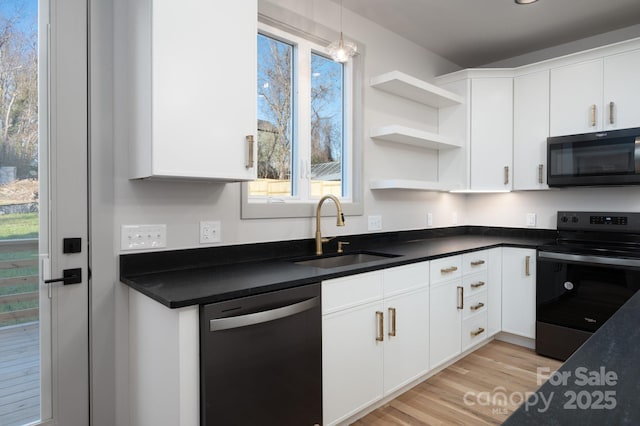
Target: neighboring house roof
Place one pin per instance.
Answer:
(326, 171)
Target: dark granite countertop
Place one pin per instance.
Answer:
(598, 384)
(198, 276)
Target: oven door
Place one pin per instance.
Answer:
(576, 294)
(582, 292)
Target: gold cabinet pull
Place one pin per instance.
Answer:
(460, 298)
(477, 306)
(392, 316)
(539, 173)
(250, 142)
(593, 115)
(477, 262)
(478, 332)
(449, 269)
(478, 284)
(611, 108)
(506, 175)
(527, 261)
(380, 333)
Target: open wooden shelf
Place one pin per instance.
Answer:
(408, 184)
(401, 84)
(410, 136)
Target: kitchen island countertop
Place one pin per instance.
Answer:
(598, 384)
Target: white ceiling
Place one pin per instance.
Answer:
(472, 33)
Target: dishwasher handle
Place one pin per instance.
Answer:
(220, 324)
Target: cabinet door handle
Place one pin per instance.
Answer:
(449, 269)
(477, 262)
(540, 173)
(460, 298)
(611, 116)
(478, 284)
(477, 306)
(250, 142)
(527, 261)
(506, 175)
(593, 115)
(380, 333)
(478, 332)
(392, 328)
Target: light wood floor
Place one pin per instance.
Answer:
(468, 392)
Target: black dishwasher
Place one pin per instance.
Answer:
(261, 359)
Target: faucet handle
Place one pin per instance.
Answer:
(340, 244)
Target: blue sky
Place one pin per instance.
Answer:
(27, 8)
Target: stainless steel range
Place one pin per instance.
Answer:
(584, 277)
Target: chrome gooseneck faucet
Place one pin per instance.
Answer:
(340, 221)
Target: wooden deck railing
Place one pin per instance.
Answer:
(18, 287)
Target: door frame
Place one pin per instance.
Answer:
(63, 141)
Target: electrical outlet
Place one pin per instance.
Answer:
(429, 219)
(210, 232)
(531, 219)
(454, 218)
(143, 237)
(375, 223)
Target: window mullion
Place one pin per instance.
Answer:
(303, 120)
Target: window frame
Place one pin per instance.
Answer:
(302, 205)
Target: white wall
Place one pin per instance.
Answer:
(510, 209)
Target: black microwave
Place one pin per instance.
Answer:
(594, 159)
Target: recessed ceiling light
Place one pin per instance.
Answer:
(525, 1)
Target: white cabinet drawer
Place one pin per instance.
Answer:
(474, 262)
(475, 283)
(346, 292)
(446, 269)
(404, 278)
(474, 304)
(474, 330)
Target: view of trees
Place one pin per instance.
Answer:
(18, 88)
(276, 110)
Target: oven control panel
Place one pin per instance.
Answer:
(599, 221)
(608, 220)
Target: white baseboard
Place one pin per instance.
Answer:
(516, 340)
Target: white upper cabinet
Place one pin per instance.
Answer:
(621, 90)
(530, 130)
(192, 89)
(491, 133)
(576, 98)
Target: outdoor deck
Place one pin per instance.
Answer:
(19, 374)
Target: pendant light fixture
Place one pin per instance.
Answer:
(341, 50)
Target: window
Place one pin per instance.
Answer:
(304, 129)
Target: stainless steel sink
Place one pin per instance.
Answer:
(344, 260)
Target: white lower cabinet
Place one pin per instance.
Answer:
(375, 337)
(351, 361)
(464, 307)
(519, 291)
(406, 353)
(444, 319)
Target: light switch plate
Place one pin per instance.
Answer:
(210, 232)
(429, 219)
(531, 219)
(143, 237)
(375, 223)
